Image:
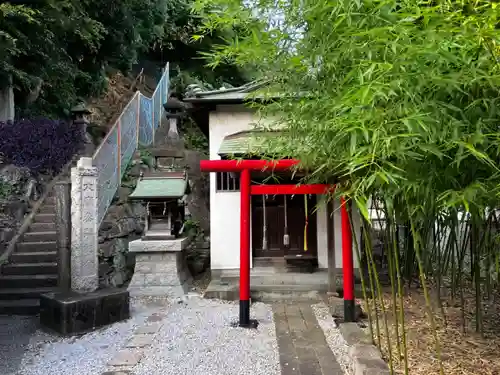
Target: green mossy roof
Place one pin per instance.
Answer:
(247, 143)
(159, 188)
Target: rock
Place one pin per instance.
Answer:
(19, 182)
(120, 247)
(137, 210)
(198, 202)
(136, 169)
(118, 279)
(6, 234)
(107, 249)
(104, 269)
(14, 208)
(198, 257)
(106, 226)
(123, 227)
(123, 194)
(119, 272)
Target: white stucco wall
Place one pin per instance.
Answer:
(322, 222)
(225, 206)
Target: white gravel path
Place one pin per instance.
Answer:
(84, 355)
(333, 337)
(197, 338)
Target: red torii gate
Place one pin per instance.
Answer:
(246, 190)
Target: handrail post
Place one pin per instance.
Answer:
(153, 119)
(62, 194)
(138, 121)
(119, 153)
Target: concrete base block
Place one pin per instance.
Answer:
(160, 268)
(73, 313)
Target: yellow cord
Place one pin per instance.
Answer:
(307, 219)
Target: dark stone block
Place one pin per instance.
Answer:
(73, 313)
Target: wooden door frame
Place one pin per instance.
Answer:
(312, 231)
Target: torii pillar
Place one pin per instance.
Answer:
(244, 167)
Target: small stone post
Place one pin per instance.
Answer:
(84, 227)
(62, 194)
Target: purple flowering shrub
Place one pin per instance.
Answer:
(42, 145)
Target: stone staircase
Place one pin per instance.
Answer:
(32, 267)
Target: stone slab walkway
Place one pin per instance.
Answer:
(302, 345)
(185, 337)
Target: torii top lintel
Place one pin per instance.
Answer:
(261, 165)
(241, 165)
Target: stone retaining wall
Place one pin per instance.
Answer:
(365, 358)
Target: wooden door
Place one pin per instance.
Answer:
(275, 223)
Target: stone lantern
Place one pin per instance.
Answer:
(80, 115)
(80, 112)
(174, 110)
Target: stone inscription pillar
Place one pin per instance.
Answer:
(84, 227)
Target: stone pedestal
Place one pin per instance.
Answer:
(160, 268)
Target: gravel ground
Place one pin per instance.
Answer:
(333, 337)
(197, 338)
(34, 352)
(16, 335)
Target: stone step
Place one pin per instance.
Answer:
(49, 236)
(45, 218)
(20, 307)
(282, 279)
(42, 227)
(33, 257)
(50, 200)
(271, 292)
(24, 293)
(36, 247)
(48, 209)
(30, 268)
(27, 281)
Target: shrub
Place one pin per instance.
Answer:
(41, 145)
(6, 189)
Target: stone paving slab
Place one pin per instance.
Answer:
(303, 349)
(148, 329)
(134, 351)
(126, 357)
(140, 341)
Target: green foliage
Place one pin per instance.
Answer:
(185, 52)
(193, 230)
(400, 95)
(193, 137)
(395, 100)
(6, 190)
(67, 46)
(59, 51)
(146, 158)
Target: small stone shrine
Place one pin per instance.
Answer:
(160, 266)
